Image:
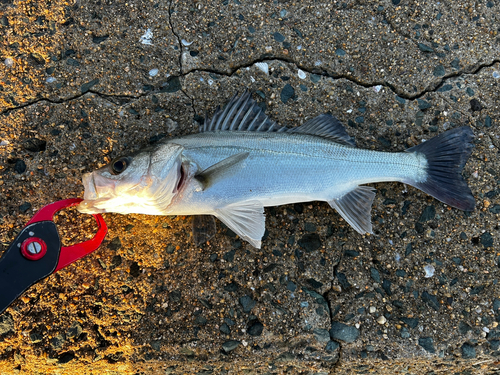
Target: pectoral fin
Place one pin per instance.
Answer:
(355, 207)
(204, 228)
(222, 169)
(246, 219)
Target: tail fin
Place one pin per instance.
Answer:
(446, 156)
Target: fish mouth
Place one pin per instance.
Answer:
(87, 206)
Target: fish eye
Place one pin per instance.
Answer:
(119, 165)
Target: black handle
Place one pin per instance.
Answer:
(18, 273)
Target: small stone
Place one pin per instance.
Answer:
(431, 300)
(224, 328)
(172, 85)
(340, 52)
(321, 335)
(291, 286)
(287, 93)
(278, 37)
(428, 214)
(372, 309)
(35, 338)
(486, 239)
(423, 104)
(405, 334)
(115, 244)
(230, 345)
(468, 351)
(247, 303)
(310, 242)
(429, 271)
(34, 145)
(74, 331)
(153, 72)
(175, 296)
(381, 319)
(255, 328)
(6, 324)
(439, 71)
(427, 343)
(475, 105)
(424, 48)
(331, 346)
(87, 86)
(343, 332)
(411, 322)
(57, 342)
(375, 274)
(25, 207)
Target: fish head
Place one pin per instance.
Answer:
(144, 182)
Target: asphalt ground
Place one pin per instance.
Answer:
(83, 82)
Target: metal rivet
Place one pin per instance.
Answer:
(34, 248)
(31, 233)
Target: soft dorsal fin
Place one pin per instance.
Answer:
(355, 208)
(240, 114)
(326, 126)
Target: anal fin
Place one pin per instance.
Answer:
(355, 207)
(246, 219)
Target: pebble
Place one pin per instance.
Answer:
(331, 346)
(468, 351)
(429, 271)
(147, 38)
(424, 48)
(57, 342)
(496, 74)
(343, 332)
(321, 335)
(20, 166)
(486, 240)
(153, 72)
(372, 309)
(439, 71)
(264, 67)
(301, 74)
(230, 345)
(34, 145)
(247, 303)
(427, 343)
(381, 319)
(8, 62)
(310, 242)
(224, 328)
(74, 331)
(287, 93)
(6, 324)
(278, 37)
(255, 327)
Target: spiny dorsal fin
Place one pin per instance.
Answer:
(355, 207)
(240, 114)
(326, 126)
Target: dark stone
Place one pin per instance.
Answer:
(321, 335)
(477, 290)
(468, 351)
(200, 320)
(37, 58)
(173, 84)
(408, 249)
(134, 269)
(427, 343)
(431, 300)
(445, 88)
(411, 322)
(310, 242)
(288, 92)
(66, 357)
(340, 52)
(255, 328)
(224, 328)
(439, 71)
(247, 303)
(229, 256)
(386, 285)
(331, 346)
(116, 261)
(115, 244)
(343, 280)
(424, 48)
(175, 296)
(6, 324)
(230, 345)
(423, 104)
(486, 239)
(87, 86)
(309, 227)
(57, 342)
(74, 331)
(375, 274)
(231, 287)
(475, 105)
(291, 286)
(35, 145)
(35, 338)
(314, 283)
(343, 332)
(463, 328)
(428, 213)
(278, 37)
(99, 39)
(25, 207)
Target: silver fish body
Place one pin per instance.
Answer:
(242, 162)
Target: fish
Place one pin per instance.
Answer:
(242, 161)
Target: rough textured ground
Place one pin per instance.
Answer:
(81, 82)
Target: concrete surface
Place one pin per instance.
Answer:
(82, 82)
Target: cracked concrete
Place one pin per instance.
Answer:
(89, 80)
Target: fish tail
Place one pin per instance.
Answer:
(446, 156)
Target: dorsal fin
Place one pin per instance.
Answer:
(326, 126)
(240, 114)
(243, 114)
